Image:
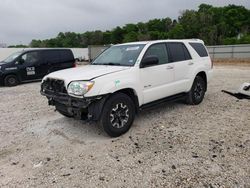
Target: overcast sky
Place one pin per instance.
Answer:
(24, 20)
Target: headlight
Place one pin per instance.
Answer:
(79, 88)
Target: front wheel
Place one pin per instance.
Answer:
(196, 94)
(11, 80)
(118, 114)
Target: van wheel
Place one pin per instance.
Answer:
(118, 115)
(11, 80)
(196, 94)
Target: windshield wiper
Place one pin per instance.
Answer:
(110, 63)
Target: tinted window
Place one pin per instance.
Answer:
(200, 49)
(66, 55)
(160, 51)
(51, 56)
(30, 58)
(178, 52)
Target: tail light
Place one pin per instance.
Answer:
(74, 65)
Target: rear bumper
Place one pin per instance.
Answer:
(209, 75)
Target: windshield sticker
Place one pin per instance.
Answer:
(133, 48)
(30, 71)
(131, 61)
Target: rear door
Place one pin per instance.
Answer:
(182, 62)
(51, 61)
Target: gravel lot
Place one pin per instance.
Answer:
(174, 145)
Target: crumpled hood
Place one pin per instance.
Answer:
(87, 72)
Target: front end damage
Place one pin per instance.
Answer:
(81, 108)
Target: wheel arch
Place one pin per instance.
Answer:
(96, 108)
(132, 94)
(203, 75)
(11, 74)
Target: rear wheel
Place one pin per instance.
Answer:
(118, 114)
(196, 94)
(11, 80)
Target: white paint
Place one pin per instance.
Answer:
(149, 84)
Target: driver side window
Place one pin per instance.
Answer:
(30, 58)
(160, 51)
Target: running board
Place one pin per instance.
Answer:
(164, 100)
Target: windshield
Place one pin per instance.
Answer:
(123, 55)
(12, 57)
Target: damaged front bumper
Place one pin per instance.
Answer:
(80, 108)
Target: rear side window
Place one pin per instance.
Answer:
(200, 49)
(52, 56)
(66, 55)
(178, 52)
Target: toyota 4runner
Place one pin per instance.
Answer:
(127, 78)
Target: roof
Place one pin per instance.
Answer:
(158, 41)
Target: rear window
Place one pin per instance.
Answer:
(200, 49)
(178, 52)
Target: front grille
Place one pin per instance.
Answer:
(53, 85)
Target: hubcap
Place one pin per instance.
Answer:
(198, 91)
(12, 80)
(119, 115)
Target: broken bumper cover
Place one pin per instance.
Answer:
(80, 108)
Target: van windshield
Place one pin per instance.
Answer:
(122, 55)
(12, 57)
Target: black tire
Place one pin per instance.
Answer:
(11, 80)
(118, 114)
(196, 94)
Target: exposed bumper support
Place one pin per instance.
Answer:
(81, 108)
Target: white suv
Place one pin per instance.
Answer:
(127, 78)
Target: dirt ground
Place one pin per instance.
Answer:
(174, 145)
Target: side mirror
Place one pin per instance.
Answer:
(149, 61)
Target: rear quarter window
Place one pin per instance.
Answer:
(66, 55)
(199, 48)
(178, 52)
(52, 56)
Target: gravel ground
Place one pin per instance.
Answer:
(174, 145)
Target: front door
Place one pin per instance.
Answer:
(28, 66)
(157, 80)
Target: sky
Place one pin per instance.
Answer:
(24, 20)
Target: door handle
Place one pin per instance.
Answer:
(190, 63)
(170, 67)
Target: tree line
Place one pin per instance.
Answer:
(214, 25)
